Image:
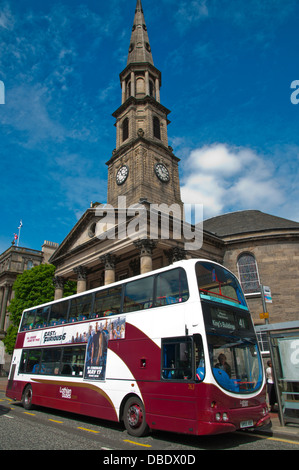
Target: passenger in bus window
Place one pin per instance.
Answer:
(222, 364)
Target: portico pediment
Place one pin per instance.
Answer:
(81, 234)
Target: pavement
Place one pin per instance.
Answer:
(275, 430)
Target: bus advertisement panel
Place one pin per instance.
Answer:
(95, 334)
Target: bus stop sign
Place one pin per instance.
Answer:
(267, 295)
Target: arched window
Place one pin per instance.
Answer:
(156, 125)
(125, 129)
(248, 273)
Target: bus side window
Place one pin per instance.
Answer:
(23, 361)
(177, 358)
(41, 317)
(28, 320)
(50, 362)
(107, 302)
(73, 359)
(139, 294)
(80, 308)
(30, 361)
(172, 287)
(59, 313)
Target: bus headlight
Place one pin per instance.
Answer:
(225, 417)
(218, 416)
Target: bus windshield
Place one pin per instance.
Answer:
(233, 350)
(218, 284)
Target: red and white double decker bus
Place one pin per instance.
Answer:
(172, 350)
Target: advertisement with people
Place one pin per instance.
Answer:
(99, 335)
(95, 334)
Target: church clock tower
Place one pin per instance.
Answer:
(142, 166)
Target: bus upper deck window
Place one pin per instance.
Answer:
(172, 287)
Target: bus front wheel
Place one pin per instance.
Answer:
(27, 398)
(134, 417)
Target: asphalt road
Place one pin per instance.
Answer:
(47, 429)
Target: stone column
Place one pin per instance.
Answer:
(132, 84)
(123, 91)
(157, 86)
(109, 263)
(147, 88)
(175, 254)
(146, 250)
(4, 306)
(58, 282)
(81, 272)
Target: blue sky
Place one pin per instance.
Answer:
(227, 68)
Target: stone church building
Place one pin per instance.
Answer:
(126, 237)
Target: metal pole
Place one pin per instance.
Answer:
(280, 410)
(19, 228)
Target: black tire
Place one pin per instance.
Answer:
(134, 417)
(27, 398)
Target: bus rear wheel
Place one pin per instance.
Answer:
(27, 398)
(134, 417)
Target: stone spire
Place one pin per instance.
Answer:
(142, 157)
(139, 50)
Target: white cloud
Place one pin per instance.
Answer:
(202, 189)
(216, 158)
(225, 178)
(6, 17)
(26, 112)
(190, 12)
(252, 192)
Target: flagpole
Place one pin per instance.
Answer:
(19, 228)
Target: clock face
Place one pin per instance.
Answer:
(162, 172)
(122, 174)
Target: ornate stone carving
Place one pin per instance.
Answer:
(81, 272)
(109, 261)
(59, 282)
(145, 246)
(175, 254)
